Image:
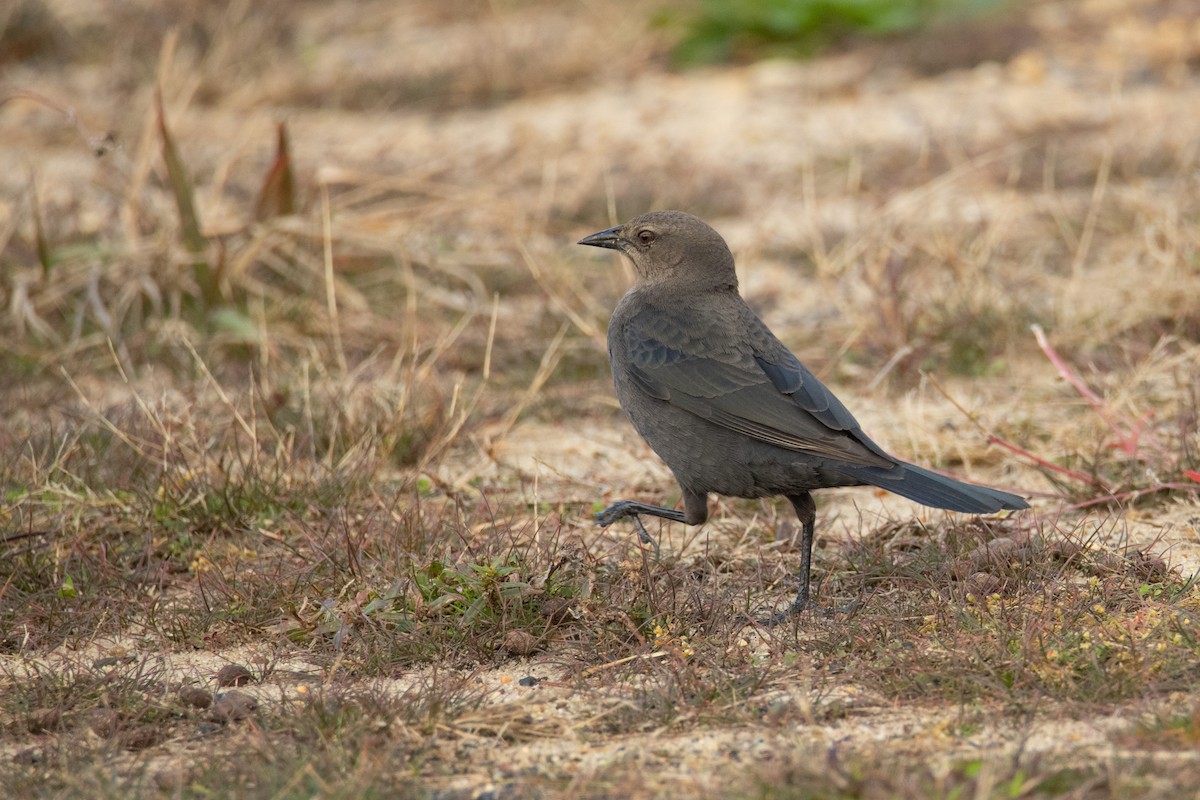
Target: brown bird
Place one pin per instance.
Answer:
(725, 404)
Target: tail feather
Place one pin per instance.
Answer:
(938, 491)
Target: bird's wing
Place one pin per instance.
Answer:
(757, 388)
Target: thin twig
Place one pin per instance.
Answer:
(100, 144)
(1127, 440)
(1136, 493)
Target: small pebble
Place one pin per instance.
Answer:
(234, 675)
(983, 584)
(141, 737)
(195, 697)
(169, 779)
(104, 722)
(520, 643)
(231, 707)
(557, 609)
(41, 720)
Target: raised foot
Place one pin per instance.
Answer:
(617, 511)
(629, 508)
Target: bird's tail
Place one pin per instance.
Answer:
(938, 491)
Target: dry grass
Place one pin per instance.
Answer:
(356, 446)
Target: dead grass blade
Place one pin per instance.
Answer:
(327, 273)
(585, 326)
(39, 230)
(545, 369)
(992, 438)
(508, 721)
(185, 204)
(277, 196)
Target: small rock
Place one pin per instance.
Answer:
(997, 553)
(234, 675)
(141, 737)
(104, 722)
(170, 779)
(231, 707)
(558, 609)
(982, 584)
(41, 720)
(520, 643)
(195, 697)
(1065, 549)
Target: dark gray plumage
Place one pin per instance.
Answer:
(725, 404)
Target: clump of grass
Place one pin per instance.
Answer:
(356, 736)
(1139, 458)
(1018, 617)
(124, 701)
(941, 304)
(676, 681)
(866, 775)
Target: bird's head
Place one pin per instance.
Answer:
(672, 248)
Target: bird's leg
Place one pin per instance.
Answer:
(632, 508)
(806, 511)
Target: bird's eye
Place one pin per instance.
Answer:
(646, 236)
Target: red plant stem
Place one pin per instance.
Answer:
(1127, 440)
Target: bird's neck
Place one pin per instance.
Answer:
(669, 288)
(673, 298)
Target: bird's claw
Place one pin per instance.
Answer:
(615, 512)
(623, 509)
(797, 607)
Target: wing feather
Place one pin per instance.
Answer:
(761, 391)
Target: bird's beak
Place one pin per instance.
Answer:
(609, 237)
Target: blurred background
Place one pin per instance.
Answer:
(339, 196)
(356, 219)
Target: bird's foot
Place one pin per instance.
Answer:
(617, 511)
(631, 508)
(805, 606)
(627, 508)
(645, 538)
